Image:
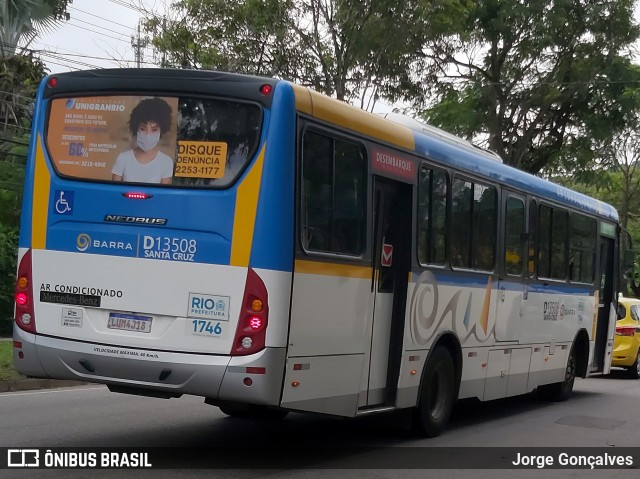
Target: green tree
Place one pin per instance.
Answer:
(340, 47)
(537, 80)
(22, 20)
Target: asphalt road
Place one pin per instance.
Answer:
(603, 412)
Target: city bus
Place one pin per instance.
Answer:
(271, 249)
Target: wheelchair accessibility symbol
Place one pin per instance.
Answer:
(64, 202)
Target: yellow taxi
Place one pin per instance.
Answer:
(626, 345)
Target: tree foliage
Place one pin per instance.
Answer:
(538, 79)
(22, 20)
(339, 47)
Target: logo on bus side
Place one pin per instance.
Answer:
(208, 306)
(136, 220)
(84, 242)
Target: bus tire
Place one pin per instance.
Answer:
(252, 411)
(561, 391)
(436, 398)
(633, 371)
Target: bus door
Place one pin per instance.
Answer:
(391, 265)
(511, 287)
(605, 322)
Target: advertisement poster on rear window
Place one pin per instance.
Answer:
(114, 138)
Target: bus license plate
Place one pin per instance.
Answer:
(129, 322)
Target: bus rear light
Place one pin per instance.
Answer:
(52, 82)
(256, 306)
(134, 195)
(625, 330)
(22, 299)
(17, 344)
(265, 89)
(251, 332)
(255, 323)
(256, 370)
(24, 315)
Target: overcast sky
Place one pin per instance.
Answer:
(98, 35)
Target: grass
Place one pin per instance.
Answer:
(7, 373)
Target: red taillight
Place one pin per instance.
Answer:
(22, 299)
(625, 330)
(52, 82)
(134, 195)
(255, 323)
(24, 317)
(265, 89)
(251, 332)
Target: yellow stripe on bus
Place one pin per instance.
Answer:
(333, 269)
(244, 217)
(346, 116)
(303, 99)
(40, 205)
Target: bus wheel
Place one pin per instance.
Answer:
(634, 370)
(436, 394)
(252, 411)
(561, 391)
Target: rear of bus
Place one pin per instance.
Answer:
(155, 279)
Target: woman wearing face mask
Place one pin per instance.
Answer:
(145, 163)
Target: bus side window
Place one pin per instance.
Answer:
(317, 171)
(514, 227)
(553, 235)
(473, 225)
(582, 248)
(485, 204)
(333, 195)
(462, 196)
(432, 216)
(559, 237)
(348, 197)
(533, 237)
(544, 241)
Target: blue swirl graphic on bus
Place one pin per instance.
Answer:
(83, 242)
(70, 103)
(426, 318)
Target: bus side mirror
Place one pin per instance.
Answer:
(629, 260)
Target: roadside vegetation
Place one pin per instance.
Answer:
(7, 373)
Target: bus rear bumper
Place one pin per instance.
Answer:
(159, 373)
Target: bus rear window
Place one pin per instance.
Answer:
(180, 141)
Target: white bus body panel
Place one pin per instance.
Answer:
(138, 286)
(509, 347)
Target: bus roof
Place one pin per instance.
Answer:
(439, 147)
